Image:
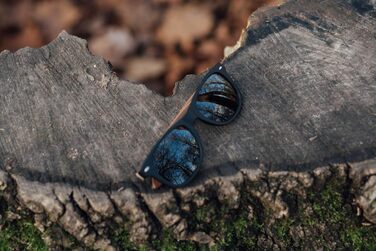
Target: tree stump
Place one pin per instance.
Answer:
(72, 134)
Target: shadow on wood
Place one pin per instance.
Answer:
(72, 134)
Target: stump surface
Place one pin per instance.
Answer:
(73, 133)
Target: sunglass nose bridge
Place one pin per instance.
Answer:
(185, 113)
(189, 118)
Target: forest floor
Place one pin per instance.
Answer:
(157, 42)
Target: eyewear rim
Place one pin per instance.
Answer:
(190, 115)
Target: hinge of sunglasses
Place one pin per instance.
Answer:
(155, 184)
(139, 176)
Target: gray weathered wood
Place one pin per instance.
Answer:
(72, 134)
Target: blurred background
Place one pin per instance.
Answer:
(155, 42)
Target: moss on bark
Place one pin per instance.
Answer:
(322, 217)
(17, 231)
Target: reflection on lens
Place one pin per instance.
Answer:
(216, 99)
(177, 156)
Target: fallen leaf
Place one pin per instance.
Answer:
(113, 45)
(184, 24)
(140, 69)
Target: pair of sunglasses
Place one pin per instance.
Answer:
(177, 156)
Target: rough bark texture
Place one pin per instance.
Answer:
(72, 134)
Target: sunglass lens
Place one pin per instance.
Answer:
(217, 100)
(177, 156)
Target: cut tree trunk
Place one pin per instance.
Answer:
(72, 134)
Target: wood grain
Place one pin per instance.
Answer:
(72, 134)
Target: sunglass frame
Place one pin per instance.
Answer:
(187, 121)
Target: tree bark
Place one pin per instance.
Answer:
(72, 134)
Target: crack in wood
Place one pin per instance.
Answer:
(306, 71)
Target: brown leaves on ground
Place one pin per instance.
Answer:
(184, 24)
(153, 41)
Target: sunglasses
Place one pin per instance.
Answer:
(176, 157)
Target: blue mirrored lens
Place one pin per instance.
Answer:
(177, 156)
(217, 99)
